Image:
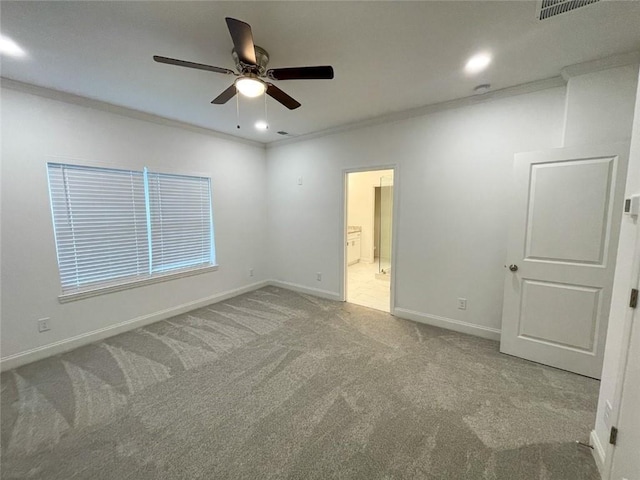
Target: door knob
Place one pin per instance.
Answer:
(513, 268)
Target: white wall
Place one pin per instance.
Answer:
(620, 313)
(361, 207)
(34, 128)
(600, 106)
(454, 179)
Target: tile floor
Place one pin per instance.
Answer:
(363, 288)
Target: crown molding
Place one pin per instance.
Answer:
(522, 89)
(629, 58)
(119, 110)
(613, 61)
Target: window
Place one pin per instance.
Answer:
(113, 227)
(180, 221)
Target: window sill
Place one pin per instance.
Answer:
(94, 292)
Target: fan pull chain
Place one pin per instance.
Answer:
(238, 111)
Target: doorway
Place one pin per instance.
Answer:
(369, 240)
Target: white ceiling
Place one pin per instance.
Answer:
(387, 56)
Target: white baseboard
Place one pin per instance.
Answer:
(598, 453)
(448, 323)
(22, 358)
(39, 353)
(308, 290)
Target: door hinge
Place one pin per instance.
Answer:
(613, 436)
(633, 301)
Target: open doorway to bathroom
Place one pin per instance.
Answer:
(369, 210)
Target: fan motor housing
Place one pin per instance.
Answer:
(262, 59)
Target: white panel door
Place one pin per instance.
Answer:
(563, 237)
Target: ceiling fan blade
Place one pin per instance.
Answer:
(225, 96)
(242, 40)
(282, 97)
(199, 66)
(324, 72)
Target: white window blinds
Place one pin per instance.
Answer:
(113, 226)
(180, 217)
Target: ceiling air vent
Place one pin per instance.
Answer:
(551, 8)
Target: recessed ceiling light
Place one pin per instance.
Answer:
(260, 125)
(11, 48)
(477, 63)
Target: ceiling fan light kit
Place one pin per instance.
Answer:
(250, 86)
(251, 63)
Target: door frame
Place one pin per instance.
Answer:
(373, 222)
(632, 317)
(342, 255)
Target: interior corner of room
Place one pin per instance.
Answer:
(500, 217)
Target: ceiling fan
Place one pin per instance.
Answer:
(251, 62)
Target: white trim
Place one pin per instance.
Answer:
(308, 290)
(122, 165)
(522, 89)
(394, 227)
(342, 253)
(613, 61)
(38, 353)
(630, 319)
(58, 95)
(157, 278)
(62, 346)
(448, 323)
(597, 452)
(119, 110)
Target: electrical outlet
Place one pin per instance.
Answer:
(251, 272)
(607, 413)
(319, 276)
(44, 325)
(462, 303)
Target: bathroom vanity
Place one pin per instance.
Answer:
(353, 244)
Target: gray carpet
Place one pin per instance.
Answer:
(275, 384)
